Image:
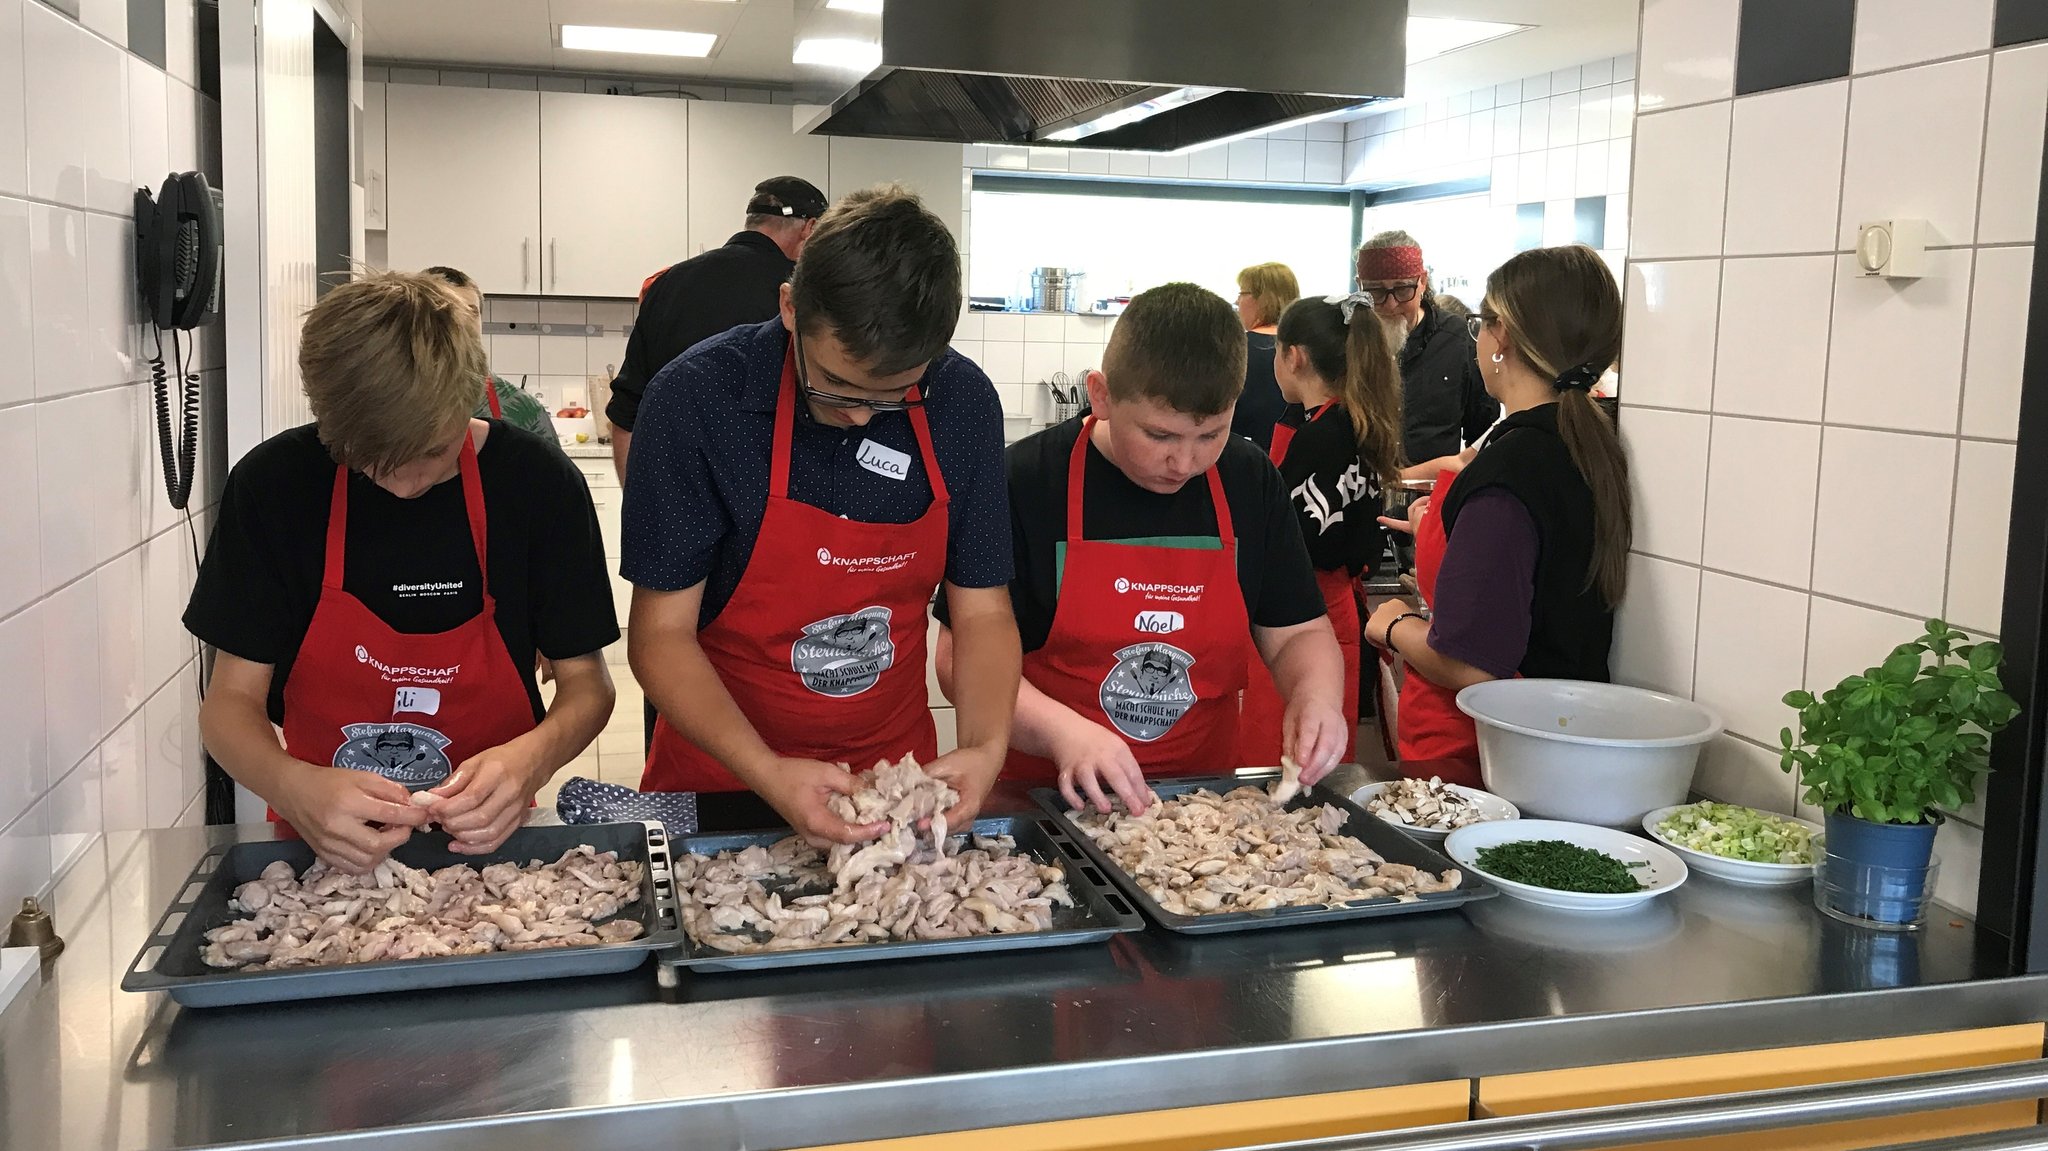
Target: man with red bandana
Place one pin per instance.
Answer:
(1444, 405)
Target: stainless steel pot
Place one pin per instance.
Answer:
(1055, 289)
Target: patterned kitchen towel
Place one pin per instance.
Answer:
(589, 801)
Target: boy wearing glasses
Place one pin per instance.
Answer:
(1444, 404)
(800, 489)
(1157, 554)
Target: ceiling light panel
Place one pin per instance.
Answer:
(637, 41)
(852, 55)
(1433, 36)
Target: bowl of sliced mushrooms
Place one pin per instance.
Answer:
(1430, 809)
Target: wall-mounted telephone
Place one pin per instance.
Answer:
(177, 274)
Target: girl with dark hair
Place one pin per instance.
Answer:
(1523, 558)
(1338, 446)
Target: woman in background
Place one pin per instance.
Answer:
(1263, 293)
(1524, 556)
(1338, 447)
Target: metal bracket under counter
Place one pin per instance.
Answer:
(1743, 1113)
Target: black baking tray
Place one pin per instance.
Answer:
(169, 959)
(1374, 832)
(1100, 911)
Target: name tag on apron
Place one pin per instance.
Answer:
(883, 461)
(418, 700)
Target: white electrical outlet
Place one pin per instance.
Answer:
(1893, 249)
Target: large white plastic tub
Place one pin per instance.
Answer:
(1586, 752)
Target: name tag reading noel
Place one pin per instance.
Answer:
(883, 461)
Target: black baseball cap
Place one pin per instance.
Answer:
(791, 196)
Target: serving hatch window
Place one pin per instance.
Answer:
(1127, 238)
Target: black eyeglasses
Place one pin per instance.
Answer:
(1477, 324)
(1399, 293)
(834, 399)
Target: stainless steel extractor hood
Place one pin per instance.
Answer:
(1145, 75)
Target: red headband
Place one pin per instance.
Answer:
(1389, 264)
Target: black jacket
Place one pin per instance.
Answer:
(704, 296)
(1571, 627)
(1444, 404)
(1260, 404)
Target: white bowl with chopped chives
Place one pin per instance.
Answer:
(1567, 866)
(1739, 844)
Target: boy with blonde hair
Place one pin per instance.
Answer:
(380, 581)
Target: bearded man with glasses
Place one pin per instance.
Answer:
(1444, 405)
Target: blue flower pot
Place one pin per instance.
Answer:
(1877, 872)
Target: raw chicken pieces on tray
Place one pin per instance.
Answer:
(903, 886)
(400, 912)
(1202, 853)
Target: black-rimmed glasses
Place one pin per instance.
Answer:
(1398, 293)
(1477, 324)
(834, 399)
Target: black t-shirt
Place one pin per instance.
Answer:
(1272, 565)
(1336, 497)
(690, 302)
(1259, 407)
(260, 579)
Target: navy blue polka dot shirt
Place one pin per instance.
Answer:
(697, 478)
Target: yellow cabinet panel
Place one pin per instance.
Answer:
(1547, 1091)
(1218, 1125)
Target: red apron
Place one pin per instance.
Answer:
(407, 707)
(823, 643)
(1432, 727)
(1259, 737)
(1149, 642)
(491, 394)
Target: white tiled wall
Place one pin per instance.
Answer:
(1022, 353)
(1822, 461)
(99, 693)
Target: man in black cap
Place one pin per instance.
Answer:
(709, 294)
(705, 295)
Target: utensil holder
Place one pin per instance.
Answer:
(1062, 411)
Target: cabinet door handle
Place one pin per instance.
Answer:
(554, 266)
(524, 277)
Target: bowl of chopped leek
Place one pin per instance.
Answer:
(1567, 866)
(1738, 844)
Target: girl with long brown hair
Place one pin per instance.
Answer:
(1523, 556)
(1338, 447)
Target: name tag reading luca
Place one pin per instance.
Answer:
(883, 461)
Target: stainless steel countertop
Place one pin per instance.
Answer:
(831, 1055)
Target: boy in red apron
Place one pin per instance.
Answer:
(800, 489)
(371, 597)
(1157, 553)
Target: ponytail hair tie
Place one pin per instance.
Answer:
(1350, 304)
(1580, 379)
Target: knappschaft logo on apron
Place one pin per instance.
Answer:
(1148, 690)
(844, 655)
(404, 753)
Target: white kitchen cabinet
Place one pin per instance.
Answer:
(931, 170)
(376, 190)
(464, 169)
(736, 146)
(612, 174)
